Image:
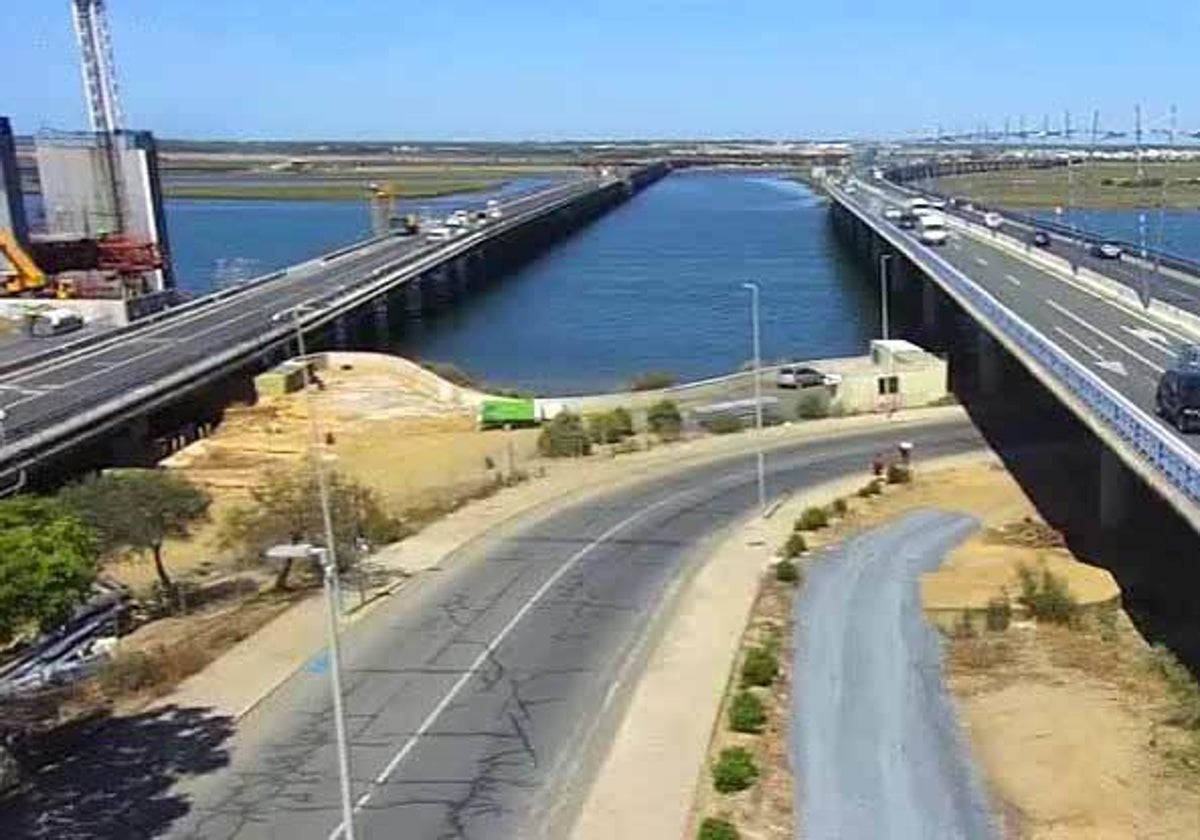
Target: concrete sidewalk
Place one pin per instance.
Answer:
(240, 679)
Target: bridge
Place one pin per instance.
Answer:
(1095, 332)
(105, 386)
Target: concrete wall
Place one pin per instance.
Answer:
(12, 205)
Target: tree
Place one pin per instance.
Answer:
(564, 437)
(137, 510)
(47, 564)
(664, 419)
(286, 509)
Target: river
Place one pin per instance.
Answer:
(653, 285)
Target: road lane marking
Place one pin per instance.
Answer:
(1011, 279)
(981, 261)
(1062, 310)
(1078, 343)
(490, 648)
(1155, 339)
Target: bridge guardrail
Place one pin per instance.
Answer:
(1178, 465)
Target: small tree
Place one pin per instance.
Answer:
(812, 519)
(735, 770)
(285, 508)
(786, 571)
(137, 510)
(795, 545)
(47, 564)
(664, 420)
(760, 668)
(564, 437)
(746, 713)
(715, 828)
(620, 423)
(610, 426)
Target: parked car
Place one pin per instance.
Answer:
(1040, 239)
(793, 376)
(1177, 398)
(1106, 250)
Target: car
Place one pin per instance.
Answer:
(1106, 250)
(1177, 398)
(892, 213)
(993, 220)
(933, 229)
(800, 376)
(1040, 239)
(908, 221)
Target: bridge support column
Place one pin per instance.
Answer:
(1116, 489)
(380, 318)
(414, 296)
(930, 305)
(131, 445)
(341, 332)
(461, 274)
(990, 363)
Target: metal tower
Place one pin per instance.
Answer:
(99, 71)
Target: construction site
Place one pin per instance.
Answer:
(86, 241)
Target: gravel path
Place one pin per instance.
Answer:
(875, 742)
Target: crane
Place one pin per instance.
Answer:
(21, 273)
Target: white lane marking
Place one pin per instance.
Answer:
(1062, 310)
(1155, 339)
(1114, 366)
(19, 390)
(981, 261)
(490, 648)
(955, 245)
(1016, 281)
(1079, 344)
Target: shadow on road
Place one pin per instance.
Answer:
(111, 777)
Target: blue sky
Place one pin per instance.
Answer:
(533, 69)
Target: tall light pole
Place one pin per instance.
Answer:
(758, 409)
(328, 558)
(884, 259)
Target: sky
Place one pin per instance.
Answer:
(586, 69)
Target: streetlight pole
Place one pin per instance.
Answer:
(884, 260)
(758, 409)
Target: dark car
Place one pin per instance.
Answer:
(1040, 239)
(1178, 398)
(907, 221)
(1106, 250)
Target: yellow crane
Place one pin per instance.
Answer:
(21, 273)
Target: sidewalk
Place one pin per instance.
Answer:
(240, 679)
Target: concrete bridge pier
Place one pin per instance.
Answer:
(931, 311)
(131, 445)
(989, 364)
(380, 318)
(414, 296)
(1117, 489)
(460, 274)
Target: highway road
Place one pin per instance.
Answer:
(41, 394)
(1126, 347)
(478, 698)
(875, 739)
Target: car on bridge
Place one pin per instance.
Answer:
(993, 220)
(1177, 398)
(1040, 239)
(1106, 250)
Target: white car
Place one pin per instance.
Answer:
(933, 229)
(993, 220)
(892, 213)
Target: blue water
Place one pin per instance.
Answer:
(216, 242)
(1175, 231)
(656, 285)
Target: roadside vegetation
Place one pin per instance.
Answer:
(1108, 184)
(652, 381)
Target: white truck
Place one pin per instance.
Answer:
(933, 229)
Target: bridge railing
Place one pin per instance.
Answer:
(1176, 463)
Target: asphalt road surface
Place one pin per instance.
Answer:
(478, 699)
(876, 743)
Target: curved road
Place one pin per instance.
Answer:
(475, 698)
(876, 742)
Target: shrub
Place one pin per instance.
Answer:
(839, 507)
(871, 488)
(795, 545)
(898, 474)
(786, 571)
(746, 713)
(723, 424)
(714, 828)
(999, 614)
(664, 419)
(735, 770)
(621, 422)
(564, 437)
(610, 426)
(813, 404)
(812, 519)
(760, 667)
(1046, 595)
(652, 381)
(1182, 687)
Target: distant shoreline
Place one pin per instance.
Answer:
(331, 192)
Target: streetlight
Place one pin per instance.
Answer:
(324, 556)
(758, 411)
(884, 260)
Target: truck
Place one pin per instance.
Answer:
(507, 413)
(493, 209)
(933, 229)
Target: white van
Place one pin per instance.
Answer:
(933, 229)
(919, 206)
(441, 233)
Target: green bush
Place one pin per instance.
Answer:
(621, 422)
(1046, 595)
(664, 420)
(652, 381)
(786, 571)
(564, 437)
(760, 667)
(1181, 686)
(898, 474)
(999, 614)
(795, 545)
(610, 426)
(813, 404)
(746, 713)
(714, 828)
(839, 507)
(871, 488)
(812, 519)
(723, 424)
(735, 770)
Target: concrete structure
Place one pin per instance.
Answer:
(12, 204)
(897, 374)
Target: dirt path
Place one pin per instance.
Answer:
(875, 738)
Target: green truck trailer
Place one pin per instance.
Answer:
(495, 414)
